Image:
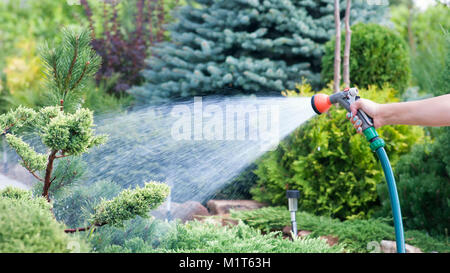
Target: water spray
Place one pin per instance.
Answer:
(321, 103)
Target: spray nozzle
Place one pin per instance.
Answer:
(322, 102)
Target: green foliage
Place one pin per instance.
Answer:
(239, 187)
(100, 102)
(24, 25)
(430, 45)
(24, 195)
(440, 83)
(332, 166)
(423, 178)
(130, 203)
(355, 234)
(31, 160)
(68, 171)
(27, 225)
(137, 236)
(16, 120)
(377, 56)
(71, 134)
(213, 237)
(75, 204)
(65, 133)
(225, 47)
(69, 66)
(41, 20)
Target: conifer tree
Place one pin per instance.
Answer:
(65, 129)
(243, 46)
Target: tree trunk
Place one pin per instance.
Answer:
(48, 174)
(337, 49)
(348, 34)
(412, 44)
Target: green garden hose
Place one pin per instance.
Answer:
(321, 103)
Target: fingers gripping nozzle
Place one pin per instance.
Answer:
(321, 103)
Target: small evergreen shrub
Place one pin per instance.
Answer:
(130, 203)
(27, 225)
(136, 236)
(74, 206)
(332, 166)
(377, 56)
(213, 237)
(355, 234)
(423, 178)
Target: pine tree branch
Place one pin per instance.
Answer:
(61, 184)
(72, 64)
(73, 230)
(55, 73)
(32, 172)
(81, 77)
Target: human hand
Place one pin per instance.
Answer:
(371, 108)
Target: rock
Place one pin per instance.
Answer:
(186, 211)
(391, 247)
(221, 207)
(303, 233)
(331, 240)
(226, 220)
(287, 230)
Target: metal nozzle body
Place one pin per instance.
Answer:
(345, 98)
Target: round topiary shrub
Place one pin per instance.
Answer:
(377, 56)
(333, 167)
(27, 226)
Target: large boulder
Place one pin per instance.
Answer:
(222, 207)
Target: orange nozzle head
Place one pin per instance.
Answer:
(320, 103)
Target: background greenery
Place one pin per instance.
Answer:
(332, 167)
(350, 184)
(355, 234)
(378, 56)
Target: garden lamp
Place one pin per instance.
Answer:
(292, 196)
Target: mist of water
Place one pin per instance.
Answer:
(197, 147)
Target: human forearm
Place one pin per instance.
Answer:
(429, 112)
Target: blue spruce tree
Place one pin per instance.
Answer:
(244, 46)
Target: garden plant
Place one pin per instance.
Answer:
(66, 130)
(95, 94)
